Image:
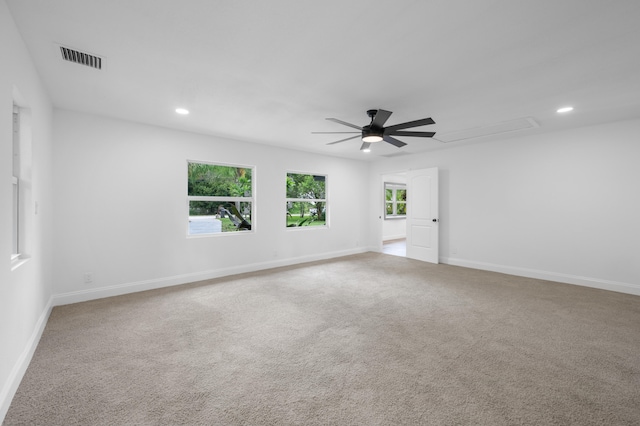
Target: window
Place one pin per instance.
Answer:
(395, 195)
(306, 200)
(21, 198)
(220, 198)
(15, 248)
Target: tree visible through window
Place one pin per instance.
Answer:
(220, 198)
(395, 200)
(306, 200)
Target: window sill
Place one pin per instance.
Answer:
(220, 234)
(306, 228)
(18, 260)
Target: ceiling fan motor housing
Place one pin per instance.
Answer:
(370, 134)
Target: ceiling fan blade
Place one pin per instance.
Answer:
(393, 141)
(331, 133)
(416, 123)
(344, 123)
(380, 118)
(365, 145)
(414, 134)
(343, 140)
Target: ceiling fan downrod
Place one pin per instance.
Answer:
(369, 133)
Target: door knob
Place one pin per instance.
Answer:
(435, 220)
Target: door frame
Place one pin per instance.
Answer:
(380, 203)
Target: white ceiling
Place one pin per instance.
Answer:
(271, 71)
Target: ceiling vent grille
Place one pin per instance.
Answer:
(81, 58)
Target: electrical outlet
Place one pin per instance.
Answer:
(454, 250)
(88, 277)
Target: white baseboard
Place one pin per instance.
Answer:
(17, 372)
(545, 275)
(126, 288)
(394, 237)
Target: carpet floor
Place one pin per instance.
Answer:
(368, 339)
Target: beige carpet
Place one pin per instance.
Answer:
(368, 339)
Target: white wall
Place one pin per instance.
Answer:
(562, 206)
(25, 293)
(121, 208)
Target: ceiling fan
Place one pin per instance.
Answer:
(376, 132)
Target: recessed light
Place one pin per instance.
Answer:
(182, 111)
(565, 109)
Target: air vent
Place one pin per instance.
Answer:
(81, 58)
(494, 129)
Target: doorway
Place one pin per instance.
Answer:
(394, 223)
(411, 221)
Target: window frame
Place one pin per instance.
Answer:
(16, 210)
(394, 187)
(324, 200)
(221, 198)
(20, 181)
(17, 207)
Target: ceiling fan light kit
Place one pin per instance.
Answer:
(371, 137)
(376, 132)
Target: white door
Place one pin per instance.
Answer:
(422, 215)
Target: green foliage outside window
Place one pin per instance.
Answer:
(217, 183)
(395, 195)
(306, 200)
